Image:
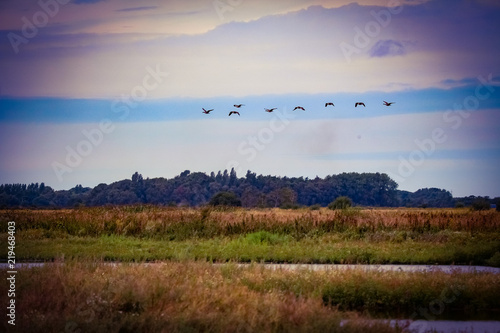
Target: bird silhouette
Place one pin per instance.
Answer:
(359, 103)
(388, 103)
(207, 111)
(238, 105)
(234, 112)
(299, 108)
(270, 110)
(329, 103)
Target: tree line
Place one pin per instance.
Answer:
(198, 188)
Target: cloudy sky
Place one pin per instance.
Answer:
(93, 90)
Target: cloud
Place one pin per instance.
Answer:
(86, 2)
(467, 81)
(133, 9)
(106, 56)
(387, 48)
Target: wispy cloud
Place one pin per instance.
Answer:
(85, 2)
(136, 9)
(459, 82)
(298, 50)
(387, 48)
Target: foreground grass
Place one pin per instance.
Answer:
(194, 296)
(164, 298)
(441, 248)
(189, 294)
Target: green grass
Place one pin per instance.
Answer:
(267, 247)
(147, 233)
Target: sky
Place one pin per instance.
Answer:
(92, 91)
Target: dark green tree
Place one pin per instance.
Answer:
(137, 177)
(481, 204)
(233, 178)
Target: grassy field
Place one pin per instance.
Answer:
(147, 233)
(182, 223)
(186, 292)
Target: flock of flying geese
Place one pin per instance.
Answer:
(296, 108)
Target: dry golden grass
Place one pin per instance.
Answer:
(182, 223)
(169, 297)
(201, 297)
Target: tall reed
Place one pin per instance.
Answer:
(206, 222)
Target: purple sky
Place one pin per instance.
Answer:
(165, 60)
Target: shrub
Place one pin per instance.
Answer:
(340, 203)
(481, 204)
(225, 199)
(494, 260)
(290, 206)
(315, 207)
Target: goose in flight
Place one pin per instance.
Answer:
(329, 103)
(270, 110)
(299, 108)
(238, 105)
(207, 111)
(234, 112)
(359, 103)
(388, 103)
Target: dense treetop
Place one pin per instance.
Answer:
(197, 188)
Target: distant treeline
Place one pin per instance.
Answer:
(197, 188)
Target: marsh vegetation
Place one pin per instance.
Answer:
(185, 291)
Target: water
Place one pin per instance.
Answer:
(448, 326)
(322, 267)
(383, 268)
(442, 326)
